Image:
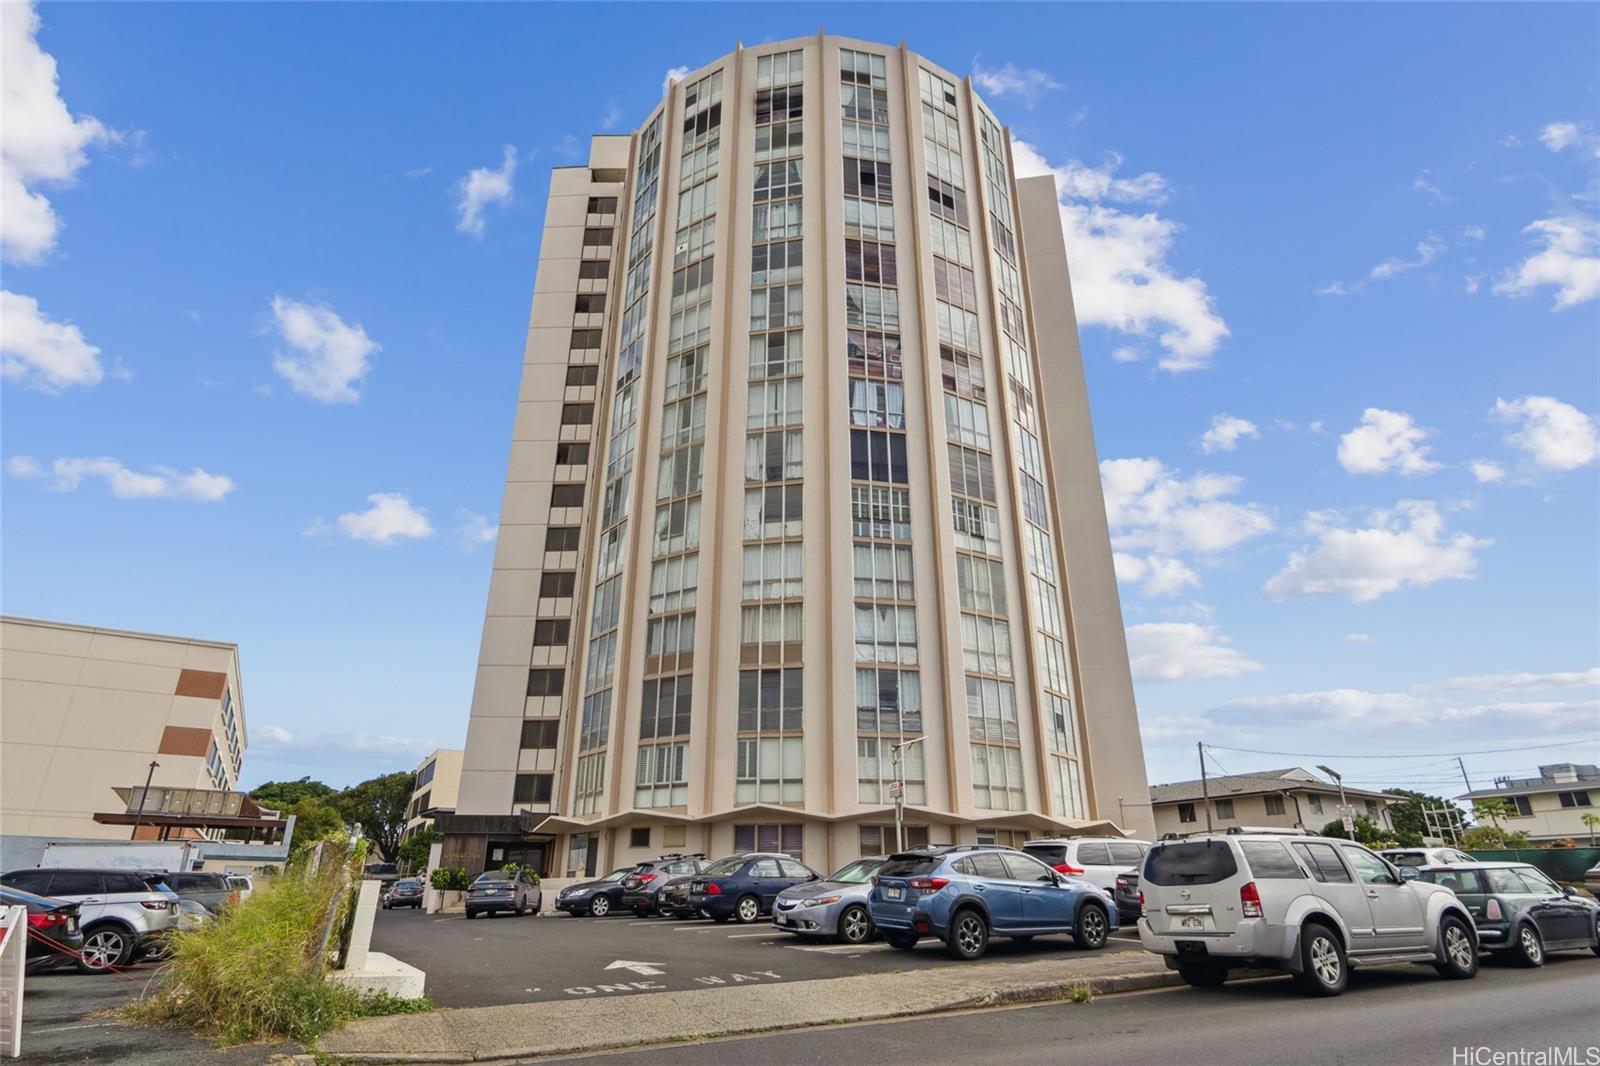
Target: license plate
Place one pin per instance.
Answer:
(1193, 923)
(783, 919)
(894, 893)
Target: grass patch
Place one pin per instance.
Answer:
(1080, 994)
(258, 971)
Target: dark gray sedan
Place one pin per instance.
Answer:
(498, 891)
(836, 907)
(1518, 910)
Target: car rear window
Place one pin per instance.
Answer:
(1269, 859)
(1202, 862)
(1052, 854)
(1461, 882)
(1406, 858)
(909, 866)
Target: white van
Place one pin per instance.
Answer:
(1097, 860)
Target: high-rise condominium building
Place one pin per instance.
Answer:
(802, 476)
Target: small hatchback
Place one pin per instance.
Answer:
(966, 894)
(1307, 905)
(1519, 911)
(745, 886)
(496, 890)
(641, 887)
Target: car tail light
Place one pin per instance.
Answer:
(1067, 868)
(1250, 900)
(154, 904)
(713, 889)
(1492, 911)
(928, 884)
(47, 920)
(645, 879)
(1141, 899)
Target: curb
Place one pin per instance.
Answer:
(1040, 993)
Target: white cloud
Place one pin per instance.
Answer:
(331, 356)
(1182, 651)
(1357, 638)
(1567, 261)
(1403, 546)
(1521, 682)
(159, 482)
(1472, 283)
(672, 77)
(475, 531)
(612, 116)
(1429, 188)
(390, 517)
(1333, 288)
(481, 187)
(41, 143)
(272, 735)
(1427, 250)
(1173, 728)
(1125, 354)
(1122, 278)
(1160, 575)
(1225, 433)
(1343, 705)
(1009, 80)
(1384, 441)
(38, 352)
(1559, 136)
(1554, 435)
(1551, 714)
(277, 738)
(1473, 233)
(1150, 507)
(1487, 471)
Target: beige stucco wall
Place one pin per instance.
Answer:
(1299, 811)
(83, 710)
(1550, 820)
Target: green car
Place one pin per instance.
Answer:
(1518, 910)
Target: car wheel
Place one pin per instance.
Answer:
(1595, 947)
(748, 909)
(968, 938)
(522, 907)
(1526, 946)
(104, 948)
(1199, 975)
(1459, 957)
(600, 906)
(1090, 930)
(903, 941)
(1323, 969)
(854, 926)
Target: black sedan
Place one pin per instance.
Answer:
(54, 938)
(1519, 911)
(595, 898)
(1130, 901)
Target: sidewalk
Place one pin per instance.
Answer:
(522, 1031)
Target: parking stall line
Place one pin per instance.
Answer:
(746, 936)
(840, 949)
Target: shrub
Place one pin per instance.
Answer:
(1080, 993)
(450, 879)
(511, 869)
(258, 971)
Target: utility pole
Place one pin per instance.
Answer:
(1205, 788)
(1464, 776)
(143, 798)
(899, 790)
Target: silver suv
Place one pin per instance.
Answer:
(124, 914)
(1307, 905)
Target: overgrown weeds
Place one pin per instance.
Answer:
(259, 970)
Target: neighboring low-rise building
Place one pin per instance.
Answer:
(87, 710)
(1550, 806)
(434, 788)
(1291, 798)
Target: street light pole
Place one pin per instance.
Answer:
(1344, 807)
(143, 798)
(900, 793)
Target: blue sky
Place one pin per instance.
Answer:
(1355, 245)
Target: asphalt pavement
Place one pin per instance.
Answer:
(505, 960)
(1393, 1015)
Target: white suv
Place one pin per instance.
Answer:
(1097, 860)
(1307, 905)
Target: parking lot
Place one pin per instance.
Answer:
(492, 961)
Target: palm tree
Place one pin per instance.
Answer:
(1592, 821)
(1494, 809)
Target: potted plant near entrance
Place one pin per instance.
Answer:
(449, 884)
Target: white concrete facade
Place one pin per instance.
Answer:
(84, 710)
(832, 498)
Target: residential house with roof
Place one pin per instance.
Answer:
(1291, 798)
(1550, 806)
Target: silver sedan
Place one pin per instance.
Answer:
(835, 907)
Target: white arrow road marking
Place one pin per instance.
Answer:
(647, 969)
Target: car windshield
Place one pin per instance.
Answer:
(408, 884)
(725, 867)
(1406, 858)
(858, 872)
(485, 878)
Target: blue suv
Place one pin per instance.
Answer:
(964, 894)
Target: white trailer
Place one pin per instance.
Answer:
(170, 855)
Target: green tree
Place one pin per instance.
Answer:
(276, 795)
(413, 851)
(1493, 809)
(1367, 831)
(379, 805)
(1410, 827)
(314, 820)
(1593, 822)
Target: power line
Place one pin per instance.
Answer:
(1409, 755)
